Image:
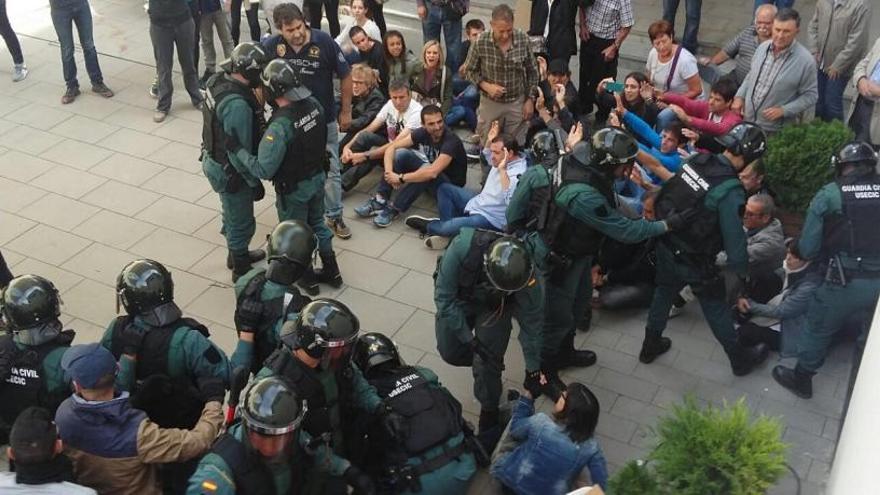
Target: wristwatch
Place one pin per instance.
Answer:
(400, 178)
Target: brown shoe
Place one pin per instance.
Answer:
(337, 225)
(69, 95)
(102, 90)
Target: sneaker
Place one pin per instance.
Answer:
(102, 90)
(371, 208)
(337, 225)
(473, 139)
(159, 116)
(385, 217)
(69, 95)
(419, 223)
(472, 151)
(154, 88)
(436, 242)
(19, 72)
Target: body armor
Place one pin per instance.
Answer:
(306, 152)
(854, 230)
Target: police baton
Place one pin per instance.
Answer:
(237, 383)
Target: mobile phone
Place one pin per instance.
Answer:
(614, 87)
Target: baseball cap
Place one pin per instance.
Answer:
(33, 435)
(87, 364)
(557, 66)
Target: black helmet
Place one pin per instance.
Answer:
(508, 264)
(373, 349)
(293, 241)
(29, 301)
(855, 153)
(544, 148)
(325, 329)
(247, 59)
(143, 285)
(281, 79)
(270, 407)
(612, 147)
(746, 140)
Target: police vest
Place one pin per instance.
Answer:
(688, 189)
(306, 152)
(273, 310)
(169, 401)
(855, 230)
(22, 373)
(471, 274)
(429, 415)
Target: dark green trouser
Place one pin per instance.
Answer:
(238, 219)
(673, 273)
(306, 203)
(831, 306)
(568, 293)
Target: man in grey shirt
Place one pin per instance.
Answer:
(741, 48)
(781, 84)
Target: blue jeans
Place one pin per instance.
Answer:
(444, 18)
(692, 20)
(780, 4)
(664, 118)
(63, 18)
(464, 106)
(829, 106)
(406, 161)
(451, 200)
(333, 186)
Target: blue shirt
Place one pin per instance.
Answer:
(875, 74)
(492, 201)
(316, 62)
(671, 161)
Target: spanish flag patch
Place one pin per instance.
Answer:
(209, 486)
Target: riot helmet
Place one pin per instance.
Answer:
(544, 148)
(29, 301)
(280, 78)
(144, 285)
(611, 147)
(326, 330)
(855, 153)
(247, 59)
(746, 140)
(373, 349)
(289, 251)
(508, 265)
(271, 407)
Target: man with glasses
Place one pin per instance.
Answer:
(741, 48)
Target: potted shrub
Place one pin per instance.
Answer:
(798, 163)
(708, 450)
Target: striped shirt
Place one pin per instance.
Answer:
(740, 50)
(769, 70)
(516, 69)
(605, 18)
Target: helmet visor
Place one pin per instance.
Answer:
(337, 352)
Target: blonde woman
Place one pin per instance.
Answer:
(366, 100)
(431, 80)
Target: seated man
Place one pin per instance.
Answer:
(460, 207)
(440, 158)
(711, 118)
(366, 101)
(753, 179)
(397, 118)
(660, 158)
(372, 53)
(466, 96)
(560, 99)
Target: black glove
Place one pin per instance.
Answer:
(212, 389)
(359, 481)
(232, 143)
(259, 191)
(533, 383)
(249, 315)
(678, 221)
(393, 424)
(131, 339)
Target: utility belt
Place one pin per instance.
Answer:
(284, 188)
(406, 477)
(234, 180)
(837, 274)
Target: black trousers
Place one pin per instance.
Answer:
(314, 14)
(594, 68)
(252, 20)
(860, 122)
(5, 274)
(375, 9)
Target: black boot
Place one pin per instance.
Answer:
(798, 380)
(253, 257)
(554, 386)
(309, 282)
(240, 265)
(489, 429)
(329, 273)
(569, 357)
(587, 318)
(748, 359)
(653, 347)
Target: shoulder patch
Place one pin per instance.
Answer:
(209, 486)
(280, 49)
(314, 51)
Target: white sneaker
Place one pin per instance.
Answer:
(436, 242)
(19, 72)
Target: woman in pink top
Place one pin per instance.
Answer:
(709, 118)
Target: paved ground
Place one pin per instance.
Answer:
(87, 187)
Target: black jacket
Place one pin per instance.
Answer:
(561, 40)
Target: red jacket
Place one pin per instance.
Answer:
(698, 111)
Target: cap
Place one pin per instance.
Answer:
(33, 435)
(557, 66)
(87, 364)
(298, 93)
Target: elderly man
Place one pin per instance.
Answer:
(838, 38)
(865, 117)
(741, 48)
(781, 84)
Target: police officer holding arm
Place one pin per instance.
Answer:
(841, 230)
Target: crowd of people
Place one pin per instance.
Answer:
(642, 191)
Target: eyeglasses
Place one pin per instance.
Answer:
(749, 214)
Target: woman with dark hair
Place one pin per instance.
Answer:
(563, 446)
(635, 85)
(400, 61)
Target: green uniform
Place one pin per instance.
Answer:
(305, 198)
(569, 288)
(834, 302)
(485, 315)
(214, 476)
(236, 199)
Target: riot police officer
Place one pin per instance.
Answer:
(483, 280)
(565, 212)
(419, 445)
(708, 185)
(31, 350)
(232, 108)
(267, 297)
(840, 229)
(292, 154)
(266, 452)
(315, 361)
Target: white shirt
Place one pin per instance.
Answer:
(492, 201)
(395, 122)
(8, 486)
(547, 24)
(344, 40)
(684, 69)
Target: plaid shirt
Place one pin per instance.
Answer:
(516, 70)
(741, 49)
(605, 18)
(770, 67)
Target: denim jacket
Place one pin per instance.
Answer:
(547, 461)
